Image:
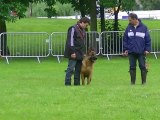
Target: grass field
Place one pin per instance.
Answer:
(40, 25)
(33, 91)
(59, 25)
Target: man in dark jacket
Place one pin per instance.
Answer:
(136, 45)
(75, 50)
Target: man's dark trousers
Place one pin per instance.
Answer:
(74, 67)
(133, 57)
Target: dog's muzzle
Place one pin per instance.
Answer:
(93, 58)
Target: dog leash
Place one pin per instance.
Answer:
(147, 63)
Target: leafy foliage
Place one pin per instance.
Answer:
(109, 25)
(116, 6)
(50, 9)
(64, 9)
(150, 4)
(79, 5)
(125, 4)
(10, 11)
(37, 10)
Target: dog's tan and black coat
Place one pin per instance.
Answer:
(87, 66)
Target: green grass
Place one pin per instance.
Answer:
(151, 24)
(40, 25)
(33, 91)
(60, 25)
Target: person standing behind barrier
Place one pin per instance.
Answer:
(136, 45)
(75, 49)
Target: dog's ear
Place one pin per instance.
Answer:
(90, 49)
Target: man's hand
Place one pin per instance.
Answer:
(146, 52)
(73, 55)
(125, 53)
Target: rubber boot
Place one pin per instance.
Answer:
(143, 76)
(133, 76)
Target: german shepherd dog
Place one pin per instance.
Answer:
(87, 66)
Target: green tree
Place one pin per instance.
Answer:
(114, 39)
(10, 11)
(64, 9)
(116, 6)
(50, 8)
(150, 4)
(86, 7)
(93, 15)
(36, 10)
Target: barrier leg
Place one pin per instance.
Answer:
(38, 60)
(58, 59)
(155, 55)
(108, 57)
(7, 60)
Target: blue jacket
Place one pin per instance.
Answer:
(137, 40)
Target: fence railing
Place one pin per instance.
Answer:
(58, 41)
(42, 44)
(25, 44)
(155, 42)
(112, 43)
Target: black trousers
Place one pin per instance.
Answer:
(133, 61)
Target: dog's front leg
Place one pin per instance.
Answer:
(82, 78)
(89, 78)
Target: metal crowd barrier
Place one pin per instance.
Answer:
(58, 41)
(24, 44)
(42, 44)
(155, 38)
(112, 43)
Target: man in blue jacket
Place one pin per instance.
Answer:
(75, 50)
(136, 45)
